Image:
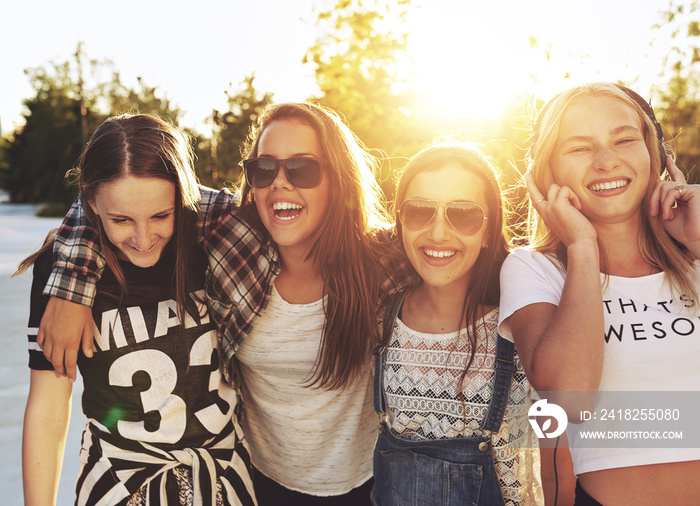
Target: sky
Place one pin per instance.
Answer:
(467, 55)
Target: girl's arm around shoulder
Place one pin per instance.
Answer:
(77, 257)
(213, 206)
(46, 420)
(78, 263)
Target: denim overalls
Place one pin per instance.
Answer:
(440, 472)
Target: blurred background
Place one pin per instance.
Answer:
(401, 72)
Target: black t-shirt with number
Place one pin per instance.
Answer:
(152, 378)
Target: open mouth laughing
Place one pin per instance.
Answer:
(286, 210)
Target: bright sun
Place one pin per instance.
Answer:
(463, 66)
(470, 59)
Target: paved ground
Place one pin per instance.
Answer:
(20, 234)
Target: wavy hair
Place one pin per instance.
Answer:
(344, 248)
(655, 244)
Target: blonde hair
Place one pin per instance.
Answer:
(655, 244)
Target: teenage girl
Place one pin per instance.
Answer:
(451, 390)
(161, 425)
(298, 310)
(614, 249)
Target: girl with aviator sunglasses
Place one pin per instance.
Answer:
(450, 390)
(296, 274)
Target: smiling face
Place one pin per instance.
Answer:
(291, 215)
(602, 156)
(442, 256)
(138, 216)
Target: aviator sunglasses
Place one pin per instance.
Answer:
(300, 172)
(466, 218)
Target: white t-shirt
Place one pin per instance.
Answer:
(651, 344)
(309, 439)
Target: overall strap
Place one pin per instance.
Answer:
(504, 368)
(390, 314)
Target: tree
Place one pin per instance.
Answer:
(142, 99)
(49, 143)
(38, 155)
(361, 69)
(678, 102)
(230, 129)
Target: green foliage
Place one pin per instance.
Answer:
(678, 100)
(363, 71)
(37, 156)
(361, 67)
(230, 129)
(142, 99)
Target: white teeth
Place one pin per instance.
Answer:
(439, 254)
(609, 185)
(280, 206)
(142, 250)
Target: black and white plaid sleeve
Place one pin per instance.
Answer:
(78, 259)
(242, 265)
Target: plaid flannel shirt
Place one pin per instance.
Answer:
(242, 266)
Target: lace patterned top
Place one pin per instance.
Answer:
(421, 377)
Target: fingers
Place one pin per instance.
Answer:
(673, 170)
(569, 195)
(667, 194)
(661, 190)
(666, 197)
(562, 196)
(52, 353)
(555, 195)
(532, 189)
(55, 356)
(70, 359)
(41, 338)
(654, 201)
(61, 329)
(88, 340)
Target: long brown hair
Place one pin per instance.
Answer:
(483, 289)
(141, 146)
(47, 245)
(655, 244)
(343, 248)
